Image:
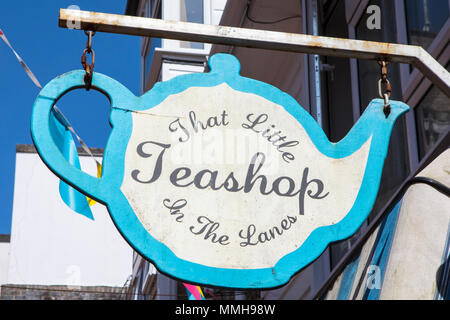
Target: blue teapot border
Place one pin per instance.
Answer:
(224, 68)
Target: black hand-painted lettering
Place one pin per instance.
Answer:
(158, 167)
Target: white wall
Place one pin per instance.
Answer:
(53, 245)
(4, 260)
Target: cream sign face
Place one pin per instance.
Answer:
(223, 180)
(239, 187)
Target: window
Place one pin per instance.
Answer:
(194, 11)
(432, 118)
(191, 11)
(425, 19)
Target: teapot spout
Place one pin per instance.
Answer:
(373, 123)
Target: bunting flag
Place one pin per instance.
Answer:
(210, 293)
(194, 292)
(63, 140)
(62, 132)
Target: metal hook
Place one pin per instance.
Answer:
(387, 106)
(387, 94)
(88, 68)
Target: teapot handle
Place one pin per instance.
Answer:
(42, 134)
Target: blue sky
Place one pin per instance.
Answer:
(32, 29)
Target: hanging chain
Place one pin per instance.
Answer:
(384, 81)
(88, 68)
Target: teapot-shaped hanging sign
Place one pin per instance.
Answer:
(223, 180)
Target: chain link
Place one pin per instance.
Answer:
(88, 68)
(386, 95)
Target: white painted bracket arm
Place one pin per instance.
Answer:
(263, 39)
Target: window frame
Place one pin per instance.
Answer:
(354, 12)
(413, 85)
(146, 41)
(174, 14)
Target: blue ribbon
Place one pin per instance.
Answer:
(64, 141)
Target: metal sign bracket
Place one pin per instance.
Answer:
(263, 39)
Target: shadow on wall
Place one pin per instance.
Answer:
(442, 278)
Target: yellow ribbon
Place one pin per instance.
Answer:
(90, 201)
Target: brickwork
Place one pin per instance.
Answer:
(34, 292)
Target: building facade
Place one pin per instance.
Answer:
(54, 252)
(335, 91)
(4, 257)
(406, 255)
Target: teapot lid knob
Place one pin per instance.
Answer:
(224, 63)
